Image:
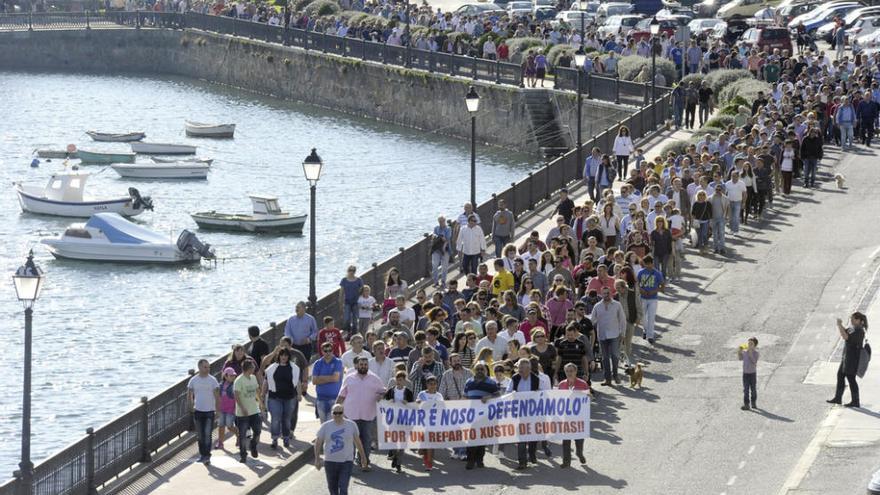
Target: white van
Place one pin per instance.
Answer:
(743, 8)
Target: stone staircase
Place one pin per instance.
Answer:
(552, 139)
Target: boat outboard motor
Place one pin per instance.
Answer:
(189, 243)
(138, 201)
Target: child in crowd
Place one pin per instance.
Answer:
(430, 394)
(227, 408)
(366, 306)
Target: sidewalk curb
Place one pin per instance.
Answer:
(281, 473)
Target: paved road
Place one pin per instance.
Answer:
(784, 282)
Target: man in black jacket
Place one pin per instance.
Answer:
(811, 153)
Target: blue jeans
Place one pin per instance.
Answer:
(470, 262)
(439, 267)
(204, 425)
(702, 233)
(693, 68)
(846, 135)
(323, 407)
(718, 233)
(500, 241)
(735, 211)
(678, 114)
(810, 166)
(280, 412)
(350, 318)
(365, 431)
(338, 476)
(591, 187)
(610, 357)
(750, 384)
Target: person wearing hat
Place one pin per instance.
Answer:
(335, 445)
(203, 392)
(430, 394)
(227, 407)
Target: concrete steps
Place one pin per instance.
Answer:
(551, 137)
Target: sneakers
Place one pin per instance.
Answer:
(745, 407)
(274, 444)
(243, 458)
(287, 442)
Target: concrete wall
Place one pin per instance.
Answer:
(432, 102)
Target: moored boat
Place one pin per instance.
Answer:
(109, 237)
(266, 217)
(163, 149)
(112, 137)
(49, 153)
(98, 157)
(64, 195)
(201, 129)
(172, 170)
(208, 161)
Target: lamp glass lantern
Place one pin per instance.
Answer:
(312, 166)
(655, 27)
(580, 57)
(472, 100)
(28, 281)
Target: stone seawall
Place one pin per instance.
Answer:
(431, 102)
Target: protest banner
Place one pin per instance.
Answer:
(552, 415)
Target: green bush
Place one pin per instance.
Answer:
(349, 15)
(677, 145)
(320, 8)
(696, 78)
(556, 51)
(729, 109)
(719, 79)
(518, 46)
(747, 89)
(629, 68)
(299, 5)
(719, 122)
(739, 100)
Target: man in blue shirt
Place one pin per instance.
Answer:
(327, 377)
(651, 283)
(483, 388)
(591, 167)
(349, 292)
(677, 56)
(302, 330)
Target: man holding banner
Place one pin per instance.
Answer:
(525, 381)
(483, 388)
(572, 382)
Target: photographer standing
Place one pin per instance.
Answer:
(749, 355)
(853, 339)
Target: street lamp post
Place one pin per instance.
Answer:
(28, 284)
(579, 58)
(408, 35)
(472, 100)
(312, 166)
(655, 47)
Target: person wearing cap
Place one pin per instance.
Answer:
(335, 446)
(429, 394)
(203, 392)
(720, 212)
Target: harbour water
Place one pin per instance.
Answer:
(105, 335)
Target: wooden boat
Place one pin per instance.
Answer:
(163, 149)
(200, 129)
(47, 153)
(267, 217)
(110, 137)
(64, 196)
(208, 161)
(176, 170)
(97, 157)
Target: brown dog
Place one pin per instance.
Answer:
(635, 374)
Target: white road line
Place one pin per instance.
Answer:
(751, 450)
(848, 287)
(875, 253)
(731, 481)
(760, 435)
(837, 306)
(864, 264)
(810, 453)
(741, 465)
(818, 336)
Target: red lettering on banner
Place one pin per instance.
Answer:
(416, 436)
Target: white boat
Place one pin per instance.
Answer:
(113, 137)
(172, 170)
(156, 159)
(109, 237)
(267, 217)
(163, 149)
(64, 195)
(200, 129)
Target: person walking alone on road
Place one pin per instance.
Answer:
(334, 450)
(203, 392)
(853, 340)
(623, 148)
(749, 355)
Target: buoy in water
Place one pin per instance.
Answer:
(35, 163)
(71, 148)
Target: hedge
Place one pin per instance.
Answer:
(747, 89)
(556, 51)
(677, 145)
(696, 77)
(518, 46)
(718, 122)
(629, 68)
(322, 7)
(299, 5)
(719, 79)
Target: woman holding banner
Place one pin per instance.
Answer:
(572, 382)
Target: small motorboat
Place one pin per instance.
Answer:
(109, 237)
(47, 153)
(200, 129)
(170, 170)
(267, 217)
(209, 161)
(163, 149)
(64, 196)
(97, 157)
(112, 137)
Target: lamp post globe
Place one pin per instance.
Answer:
(312, 167)
(472, 102)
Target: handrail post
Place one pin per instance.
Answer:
(617, 88)
(430, 61)
(88, 23)
(145, 430)
(363, 49)
(137, 19)
(589, 85)
(647, 96)
(324, 42)
(30, 21)
(384, 47)
(474, 65)
(90, 462)
(497, 71)
(513, 198)
(531, 191)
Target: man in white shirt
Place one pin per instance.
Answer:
(610, 321)
(379, 364)
(471, 245)
(737, 194)
(407, 315)
(357, 351)
(489, 49)
(493, 341)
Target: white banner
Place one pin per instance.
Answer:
(553, 415)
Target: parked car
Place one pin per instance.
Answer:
(544, 13)
(544, 3)
(619, 24)
(646, 7)
(785, 13)
(477, 9)
(768, 37)
(819, 14)
(611, 9)
(863, 29)
(703, 26)
(812, 25)
(707, 8)
(573, 19)
(826, 31)
(743, 8)
(519, 8)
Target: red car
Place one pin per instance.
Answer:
(668, 25)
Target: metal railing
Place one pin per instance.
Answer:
(109, 451)
(599, 87)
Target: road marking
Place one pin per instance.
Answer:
(818, 336)
(875, 253)
(760, 435)
(864, 264)
(837, 306)
(810, 453)
(741, 465)
(848, 287)
(731, 481)
(751, 450)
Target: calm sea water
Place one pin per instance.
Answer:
(104, 335)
